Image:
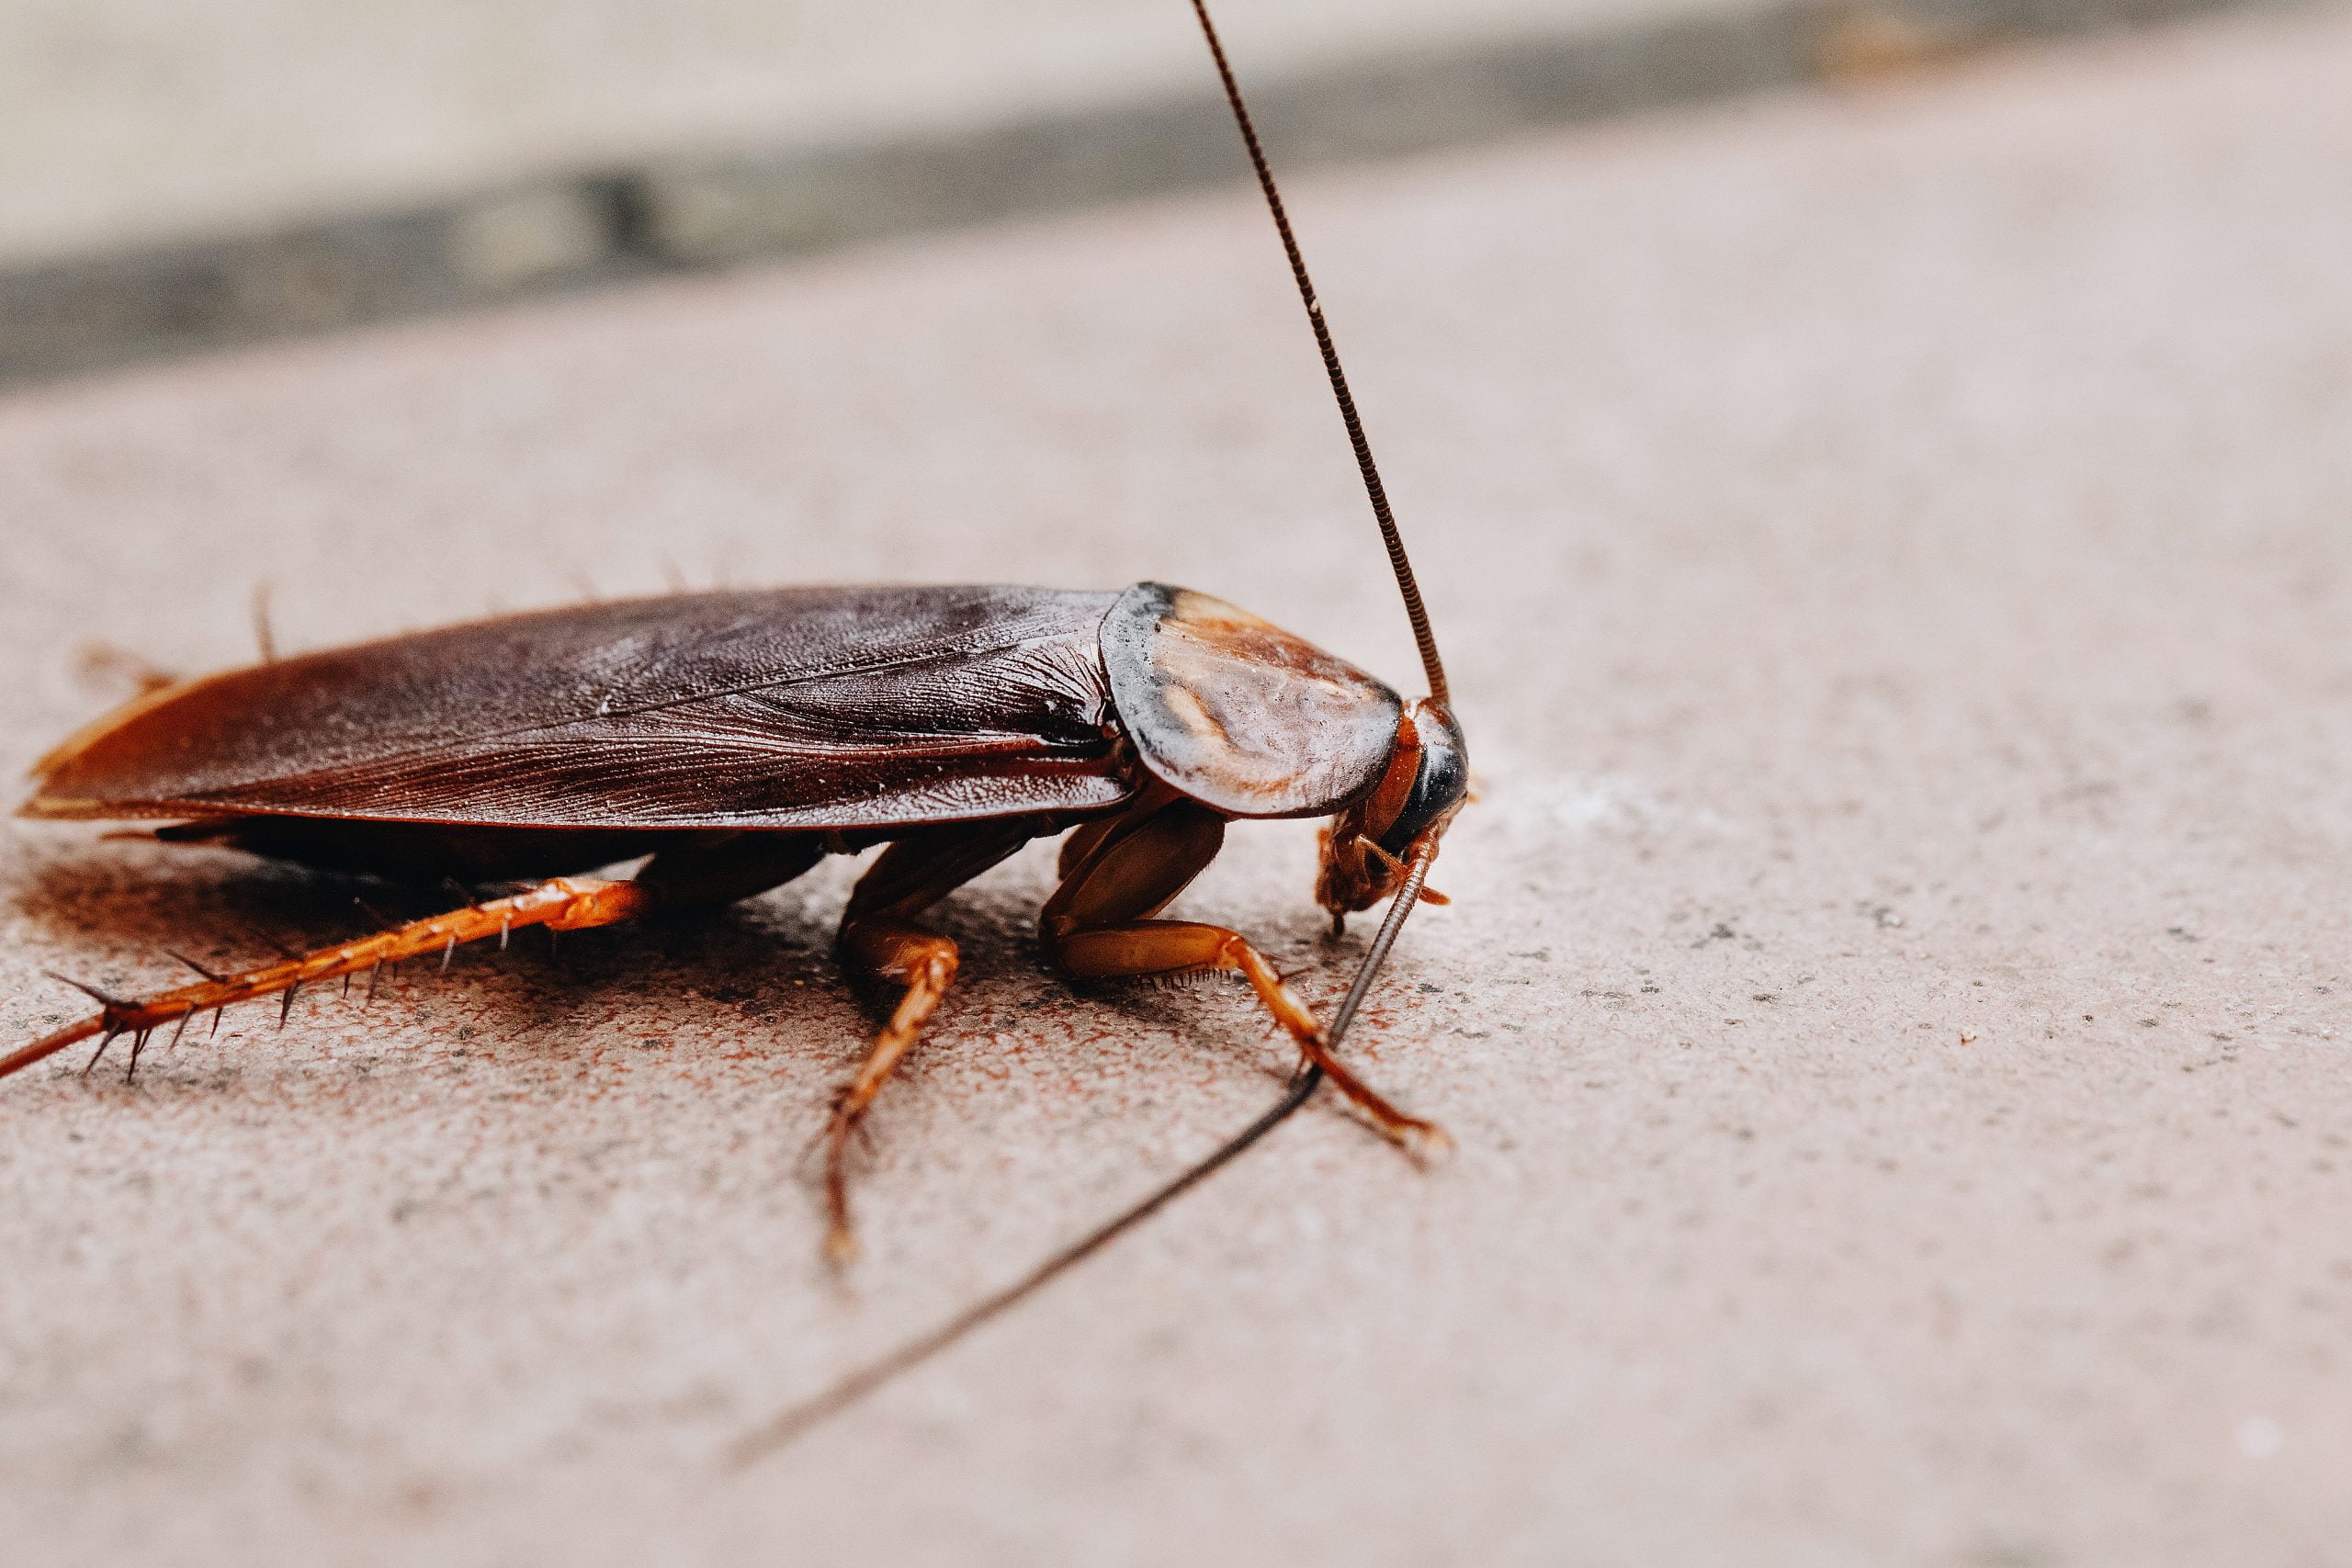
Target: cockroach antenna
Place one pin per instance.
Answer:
(1433, 667)
(865, 1380)
(783, 1429)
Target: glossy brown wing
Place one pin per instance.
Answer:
(798, 707)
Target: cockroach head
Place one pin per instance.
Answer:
(1367, 846)
(1440, 780)
(1367, 849)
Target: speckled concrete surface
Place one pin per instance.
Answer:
(1893, 549)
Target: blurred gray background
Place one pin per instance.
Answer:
(178, 175)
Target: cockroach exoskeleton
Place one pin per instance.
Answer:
(735, 739)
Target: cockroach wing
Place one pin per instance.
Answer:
(1239, 714)
(800, 707)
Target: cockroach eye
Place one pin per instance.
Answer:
(1440, 785)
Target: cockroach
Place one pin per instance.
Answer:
(735, 739)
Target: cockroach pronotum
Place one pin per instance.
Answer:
(736, 738)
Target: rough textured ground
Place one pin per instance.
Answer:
(1894, 553)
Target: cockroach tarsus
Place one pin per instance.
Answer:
(735, 739)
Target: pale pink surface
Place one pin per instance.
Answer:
(1893, 552)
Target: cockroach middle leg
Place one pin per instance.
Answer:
(923, 960)
(880, 937)
(1098, 924)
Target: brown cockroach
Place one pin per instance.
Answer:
(739, 738)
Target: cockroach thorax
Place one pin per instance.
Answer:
(1238, 714)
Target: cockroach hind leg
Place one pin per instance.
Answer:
(98, 1055)
(572, 902)
(138, 1043)
(212, 975)
(112, 1004)
(272, 941)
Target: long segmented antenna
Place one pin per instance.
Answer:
(858, 1384)
(1431, 666)
(864, 1380)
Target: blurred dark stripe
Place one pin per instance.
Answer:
(567, 232)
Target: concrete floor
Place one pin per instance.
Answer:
(1892, 550)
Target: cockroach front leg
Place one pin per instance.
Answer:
(880, 937)
(1097, 924)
